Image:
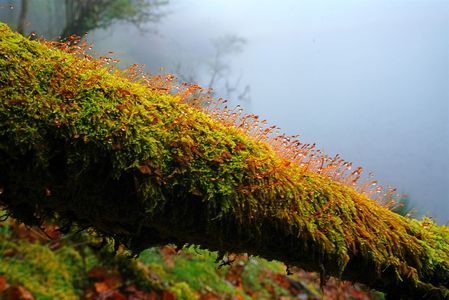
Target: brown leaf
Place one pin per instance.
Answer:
(166, 295)
(97, 272)
(3, 283)
(52, 232)
(209, 296)
(89, 294)
(8, 252)
(116, 295)
(144, 169)
(153, 296)
(16, 292)
(101, 287)
(111, 282)
(167, 252)
(134, 294)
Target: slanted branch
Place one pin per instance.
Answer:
(81, 145)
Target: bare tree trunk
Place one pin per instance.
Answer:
(23, 17)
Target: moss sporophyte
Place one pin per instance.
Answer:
(147, 161)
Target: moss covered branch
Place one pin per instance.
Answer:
(79, 144)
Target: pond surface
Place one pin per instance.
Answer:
(366, 79)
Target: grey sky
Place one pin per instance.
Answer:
(366, 79)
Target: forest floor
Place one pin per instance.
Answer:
(44, 264)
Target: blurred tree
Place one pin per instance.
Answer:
(404, 208)
(22, 17)
(220, 66)
(218, 69)
(85, 15)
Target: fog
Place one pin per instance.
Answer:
(368, 80)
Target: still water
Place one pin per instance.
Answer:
(366, 79)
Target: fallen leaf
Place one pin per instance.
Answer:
(111, 282)
(153, 296)
(52, 232)
(144, 169)
(116, 295)
(101, 287)
(8, 252)
(3, 283)
(209, 296)
(166, 295)
(167, 253)
(97, 272)
(133, 293)
(16, 292)
(89, 294)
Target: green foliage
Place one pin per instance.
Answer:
(72, 270)
(86, 15)
(194, 268)
(183, 291)
(48, 274)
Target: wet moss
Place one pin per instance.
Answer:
(83, 144)
(48, 274)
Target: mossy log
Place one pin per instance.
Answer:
(82, 145)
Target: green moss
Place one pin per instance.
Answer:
(194, 268)
(146, 169)
(183, 291)
(47, 274)
(255, 277)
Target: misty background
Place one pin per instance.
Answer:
(367, 79)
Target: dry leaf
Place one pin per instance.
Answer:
(16, 292)
(3, 283)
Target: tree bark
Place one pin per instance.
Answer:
(23, 17)
(81, 145)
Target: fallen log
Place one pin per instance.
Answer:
(80, 144)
